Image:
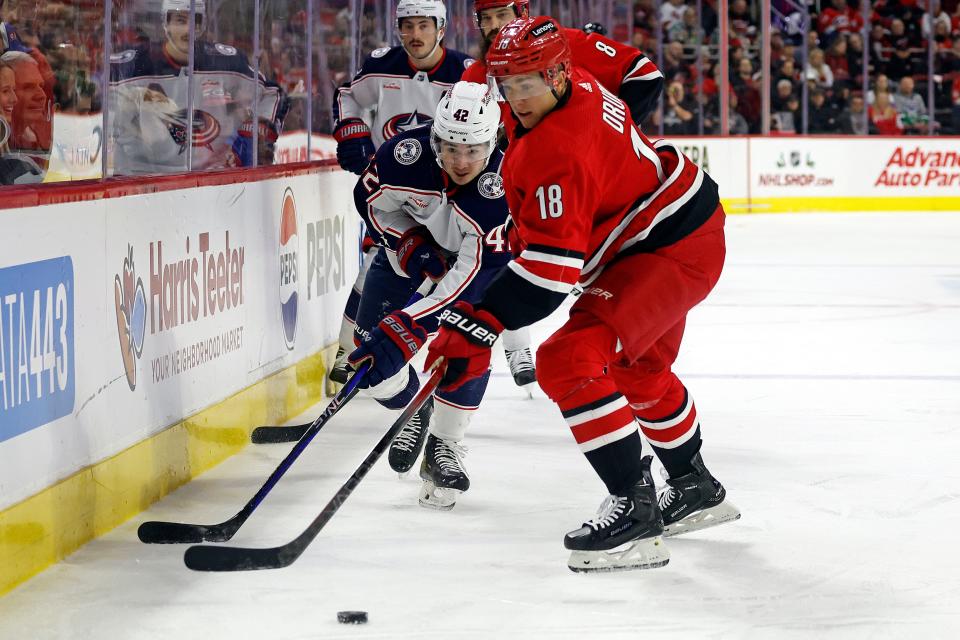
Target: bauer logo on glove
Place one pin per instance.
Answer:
(470, 328)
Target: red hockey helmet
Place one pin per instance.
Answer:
(526, 46)
(520, 7)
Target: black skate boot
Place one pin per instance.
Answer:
(521, 366)
(694, 501)
(624, 535)
(338, 372)
(442, 472)
(406, 447)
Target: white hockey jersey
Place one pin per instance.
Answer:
(391, 96)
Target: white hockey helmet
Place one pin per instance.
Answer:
(423, 8)
(467, 114)
(199, 6)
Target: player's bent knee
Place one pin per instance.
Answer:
(560, 366)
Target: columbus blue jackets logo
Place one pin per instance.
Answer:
(404, 121)
(130, 303)
(289, 245)
(206, 129)
(490, 185)
(407, 151)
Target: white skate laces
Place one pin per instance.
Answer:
(611, 509)
(449, 456)
(406, 440)
(520, 360)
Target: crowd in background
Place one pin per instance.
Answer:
(53, 62)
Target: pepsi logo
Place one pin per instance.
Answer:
(289, 245)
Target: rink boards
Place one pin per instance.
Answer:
(145, 329)
(830, 174)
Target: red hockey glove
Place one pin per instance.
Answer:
(419, 256)
(389, 347)
(465, 339)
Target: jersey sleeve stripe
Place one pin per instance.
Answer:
(543, 283)
(539, 256)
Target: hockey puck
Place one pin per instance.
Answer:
(352, 617)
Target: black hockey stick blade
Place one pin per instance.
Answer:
(269, 434)
(154, 532)
(179, 532)
(210, 558)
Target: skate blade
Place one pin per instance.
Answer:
(703, 519)
(434, 497)
(646, 553)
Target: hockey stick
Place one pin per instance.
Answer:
(154, 532)
(212, 558)
(269, 434)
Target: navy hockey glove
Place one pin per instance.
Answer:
(419, 256)
(242, 147)
(465, 339)
(354, 145)
(389, 347)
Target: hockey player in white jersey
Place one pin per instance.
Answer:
(433, 199)
(149, 96)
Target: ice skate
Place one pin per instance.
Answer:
(625, 534)
(694, 501)
(338, 372)
(406, 447)
(522, 368)
(442, 472)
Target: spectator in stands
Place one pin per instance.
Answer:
(900, 63)
(839, 19)
(671, 12)
(8, 100)
(33, 113)
(788, 71)
(685, 31)
(882, 83)
(673, 62)
(737, 123)
(939, 17)
(16, 167)
(910, 106)
(817, 71)
(855, 56)
(821, 116)
(789, 114)
(748, 94)
(678, 113)
(743, 30)
(883, 116)
(852, 120)
(836, 59)
(782, 93)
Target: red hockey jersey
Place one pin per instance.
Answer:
(622, 69)
(584, 186)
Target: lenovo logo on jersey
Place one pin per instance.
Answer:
(479, 334)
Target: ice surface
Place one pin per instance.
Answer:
(826, 371)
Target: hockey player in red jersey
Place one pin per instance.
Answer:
(640, 227)
(620, 68)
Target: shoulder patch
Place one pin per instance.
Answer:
(225, 49)
(467, 62)
(123, 56)
(407, 151)
(379, 53)
(490, 185)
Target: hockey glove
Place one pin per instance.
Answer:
(465, 339)
(419, 256)
(354, 145)
(242, 147)
(389, 347)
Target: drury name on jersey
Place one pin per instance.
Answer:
(149, 100)
(391, 96)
